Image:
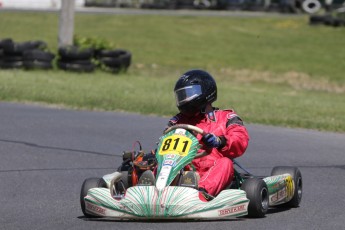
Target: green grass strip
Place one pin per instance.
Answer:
(272, 70)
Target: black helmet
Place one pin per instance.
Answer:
(194, 90)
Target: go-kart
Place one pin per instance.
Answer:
(122, 195)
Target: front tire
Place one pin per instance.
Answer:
(87, 185)
(125, 178)
(298, 185)
(257, 193)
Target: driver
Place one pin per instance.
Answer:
(226, 137)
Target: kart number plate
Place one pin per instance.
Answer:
(175, 144)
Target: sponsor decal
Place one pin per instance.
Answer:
(126, 208)
(184, 77)
(95, 208)
(289, 186)
(235, 209)
(210, 95)
(170, 156)
(166, 169)
(181, 132)
(279, 195)
(231, 115)
(169, 162)
(163, 174)
(233, 119)
(277, 186)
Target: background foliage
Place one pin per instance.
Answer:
(272, 70)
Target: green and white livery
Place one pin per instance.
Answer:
(171, 202)
(248, 195)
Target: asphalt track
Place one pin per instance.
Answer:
(46, 153)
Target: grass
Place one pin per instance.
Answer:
(272, 70)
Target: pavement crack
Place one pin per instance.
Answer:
(33, 145)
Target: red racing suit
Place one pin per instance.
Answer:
(216, 169)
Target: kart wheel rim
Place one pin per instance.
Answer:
(299, 188)
(264, 199)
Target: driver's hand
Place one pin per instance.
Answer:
(213, 141)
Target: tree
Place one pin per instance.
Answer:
(66, 22)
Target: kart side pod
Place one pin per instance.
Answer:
(280, 189)
(285, 186)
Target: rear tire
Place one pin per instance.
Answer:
(257, 193)
(125, 178)
(87, 185)
(297, 178)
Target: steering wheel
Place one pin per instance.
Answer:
(189, 128)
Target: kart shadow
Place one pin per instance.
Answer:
(104, 219)
(273, 210)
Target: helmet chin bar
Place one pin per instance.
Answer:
(204, 110)
(190, 114)
(189, 108)
(207, 108)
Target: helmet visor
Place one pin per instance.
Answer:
(187, 94)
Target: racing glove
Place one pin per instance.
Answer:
(213, 141)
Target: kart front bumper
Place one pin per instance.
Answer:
(147, 202)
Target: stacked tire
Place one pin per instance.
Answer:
(317, 19)
(2, 42)
(73, 58)
(115, 61)
(38, 59)
(11, 57)
(327, 20)
(32, 55)
(28, 55)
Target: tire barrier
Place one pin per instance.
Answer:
(327, 20)
(75, 66)
(33, 55)
(8, 58)
(114, 60)
(317, 20)
(311, 6)
(73, 58)
(29, 55)
(38, 59)
(284, 6)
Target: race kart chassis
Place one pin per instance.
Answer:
(118, 195)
